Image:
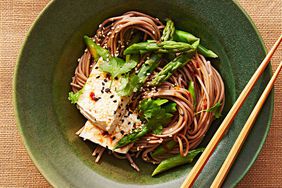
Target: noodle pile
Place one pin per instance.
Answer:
(191, 123)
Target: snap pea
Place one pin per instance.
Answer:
(95, 50)
(184, 36)
(177, 161)
(206, 52)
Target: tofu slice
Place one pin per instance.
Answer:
(99, 103)
(99, 136)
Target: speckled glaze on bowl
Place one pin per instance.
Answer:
(48, 122)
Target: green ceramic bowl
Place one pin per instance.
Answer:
(48, 122)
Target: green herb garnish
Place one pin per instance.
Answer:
(214, 109)
(73, 97)
(156, 113)
(117, 66)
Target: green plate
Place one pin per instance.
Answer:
(48, 122)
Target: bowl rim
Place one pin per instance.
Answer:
(47, 174)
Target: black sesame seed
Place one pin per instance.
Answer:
(116, 78)
(96, 67)
(128, 123)
(97, 77)
(107, 90)
(97, 98)
(103, 83)
(122, 120)
(105, 80)
(112, 96)
(121, 132)
(114, 138)
(114, 101)
(115, 112)
(121, 100)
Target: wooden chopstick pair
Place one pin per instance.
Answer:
(194, 173)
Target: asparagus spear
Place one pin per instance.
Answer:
(148, 67)
(162, 47)
(96, 50)
(134, 82)
(169, 68)
(177, 161)
(168, 31)
(133, 137)
(183, 36)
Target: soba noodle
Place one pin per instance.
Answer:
(191, 123)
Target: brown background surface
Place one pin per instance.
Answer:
(16, 168)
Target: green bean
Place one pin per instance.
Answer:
(177, 161)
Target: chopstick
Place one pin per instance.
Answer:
(194, 173)
(244, 132)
